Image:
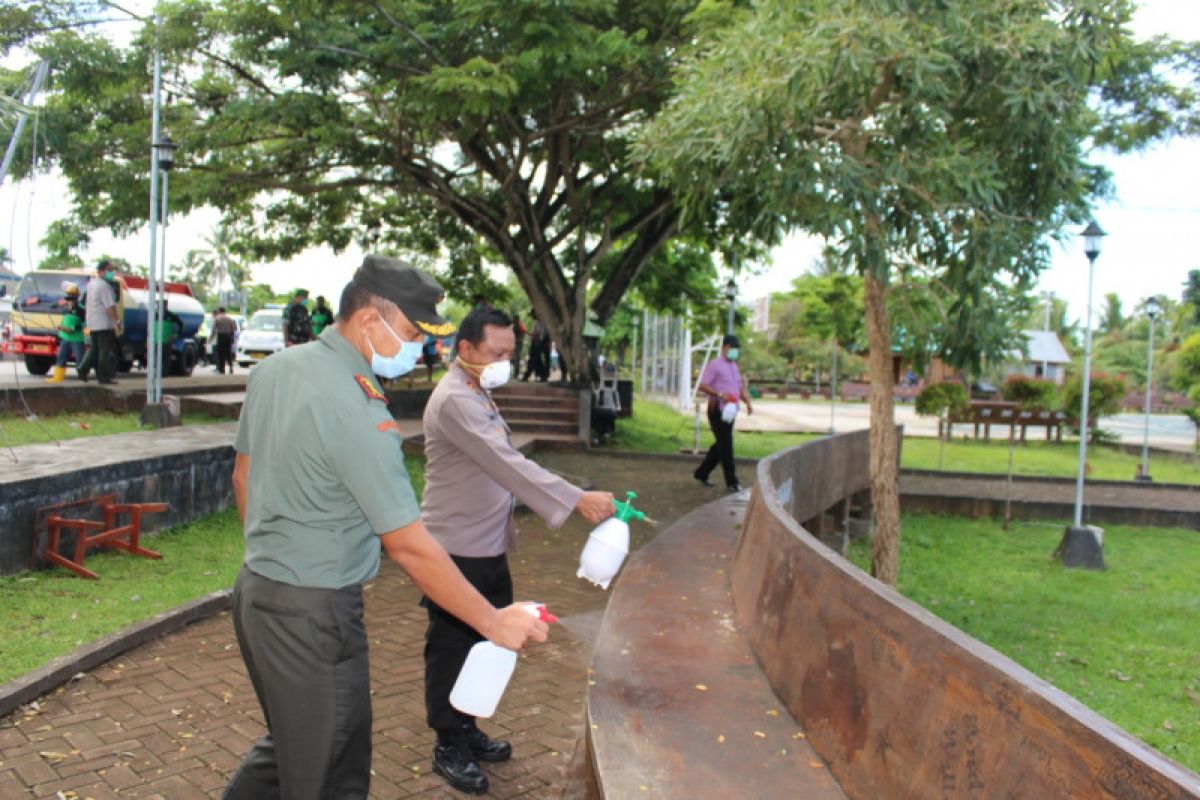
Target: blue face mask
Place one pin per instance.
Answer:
(733, 354)
(402, 362)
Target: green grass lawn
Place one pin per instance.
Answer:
(16, 430)
(1045, 458)
(50, 612)
(1125, 642)
(658, 428)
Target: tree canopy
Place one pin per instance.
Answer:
(917, 135)
(474, 132)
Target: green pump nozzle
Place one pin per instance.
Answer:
(626, 511)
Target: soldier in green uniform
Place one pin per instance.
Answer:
(297, 324)
(320, 484)
(321, 316)
(70, 335)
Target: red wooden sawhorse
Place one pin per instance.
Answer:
(109, 533)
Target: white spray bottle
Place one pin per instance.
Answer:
(608, 544)
(487, 670)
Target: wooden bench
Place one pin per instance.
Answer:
(986, 413)
(91, 533)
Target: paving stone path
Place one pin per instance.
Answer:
(172, 719)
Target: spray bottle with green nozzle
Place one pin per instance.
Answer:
(608, 544)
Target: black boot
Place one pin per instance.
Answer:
(485, 748)
(455, 762)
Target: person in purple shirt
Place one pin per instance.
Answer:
(722, 382)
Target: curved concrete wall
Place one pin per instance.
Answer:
(898, 702)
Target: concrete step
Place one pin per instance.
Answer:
(564, 414)
(536, 401)
(565, 428)
(534, 390)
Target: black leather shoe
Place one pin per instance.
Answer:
(485, 748)
(734, 487)
(703, 481)
(455, 763)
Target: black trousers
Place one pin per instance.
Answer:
(722, 449)
(449, 639)
(101, 356)
(224, 352)
(306, 652)
(534, 365)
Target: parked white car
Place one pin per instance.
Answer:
(261, 336)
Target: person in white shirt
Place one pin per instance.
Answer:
(101, 316)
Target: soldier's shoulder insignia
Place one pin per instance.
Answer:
(369, 389)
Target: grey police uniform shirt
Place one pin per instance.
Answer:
(327, 472)
(472, 472)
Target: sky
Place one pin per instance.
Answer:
(1147, 250)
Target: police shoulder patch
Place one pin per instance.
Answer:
(369, 389)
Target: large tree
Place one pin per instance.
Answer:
(475, 132)
(915, 135)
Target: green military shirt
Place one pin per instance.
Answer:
(326, 468)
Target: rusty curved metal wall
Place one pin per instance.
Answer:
(901, 704)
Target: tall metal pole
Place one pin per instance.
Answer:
(1046, 327)
(645, 347)
(685, 362)
(151, 285)
(654, 365)
(731, 291)
(1145, 476)
(833, 388)
(162, 282)
(633, 346)
(39, 77)
(1087, 385)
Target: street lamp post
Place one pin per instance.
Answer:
(1081, 546)
(1153, 309)
(151, 282)
(633, 341)
(833, 387)
(731, 296)
(164, 154)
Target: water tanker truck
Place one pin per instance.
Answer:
(40, 302)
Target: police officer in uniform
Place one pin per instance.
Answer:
(320, 485)
(471, 477)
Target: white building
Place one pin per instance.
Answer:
(1045, 357)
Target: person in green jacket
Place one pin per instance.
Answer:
(169, 328)
(322, 315)
(70, 335)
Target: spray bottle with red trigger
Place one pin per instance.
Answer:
(487, 670)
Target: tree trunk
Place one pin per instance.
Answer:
(885, 494)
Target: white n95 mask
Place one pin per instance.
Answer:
(495, 375)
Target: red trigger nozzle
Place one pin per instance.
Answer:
(545, 616)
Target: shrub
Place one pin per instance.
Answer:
(1104, 398)
(945, 396)
(1031, 394)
